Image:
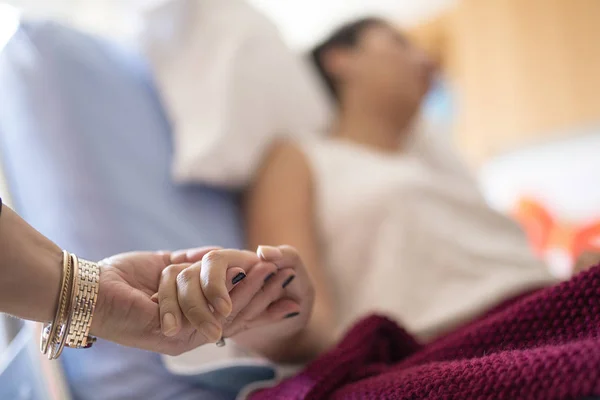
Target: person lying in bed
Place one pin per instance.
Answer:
(383, 216)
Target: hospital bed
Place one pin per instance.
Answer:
(85, 149)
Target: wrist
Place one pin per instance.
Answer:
(75, 307)
(104, 304)
(308, 344)
(297, 347)
(314, 338)
(31, 266)
(50, 262)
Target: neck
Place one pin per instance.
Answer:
(373, 125)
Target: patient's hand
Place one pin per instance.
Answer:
(227, 292)
(282, 340)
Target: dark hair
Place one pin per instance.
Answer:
(345, 36)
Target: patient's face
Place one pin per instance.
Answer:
(387, 65)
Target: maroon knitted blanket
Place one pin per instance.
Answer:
(545, 345)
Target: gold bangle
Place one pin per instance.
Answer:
(57, 342)
(75, 308)
(86, 295)
(71, 305)
(48, 335)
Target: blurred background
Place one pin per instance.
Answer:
(301, 22)
(517, 79)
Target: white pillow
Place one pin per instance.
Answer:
(230, 85)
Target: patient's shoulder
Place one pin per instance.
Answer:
(287, 155)
(286, 151)
(285, 162)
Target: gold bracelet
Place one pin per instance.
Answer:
(86, 295)
(71, 306)
(57, 344)
(75, 308)
(62, 324)
(49, 331)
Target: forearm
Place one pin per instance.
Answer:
(304, 346)
(30, 270)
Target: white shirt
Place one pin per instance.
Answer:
(410, 236)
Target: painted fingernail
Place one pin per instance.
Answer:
(269, 252)
(211, 331)
(169, 324)
(292, 315)
(272, 274)
(238, 278)
(288, 281)
(222, 306)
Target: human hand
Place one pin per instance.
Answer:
(223, 293)
(281, 340)
(125, 312)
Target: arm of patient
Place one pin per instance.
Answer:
(279, 209)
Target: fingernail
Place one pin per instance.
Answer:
(292, 315)
(211, 331)
(269, 252)
(288, 281)
(154, 298)
(272, 274)
(169, 324)
(238, 278)
(222, 306)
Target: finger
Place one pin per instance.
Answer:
(213, 276)
(234, 276)
(194, 305)
(250, 287)
(191, 255)
(282, 256)
(272, 290)
(171, 317)
(166, 256)
(281, 310)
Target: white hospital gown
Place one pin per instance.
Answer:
(411, 237)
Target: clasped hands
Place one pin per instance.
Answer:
(172, 302)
